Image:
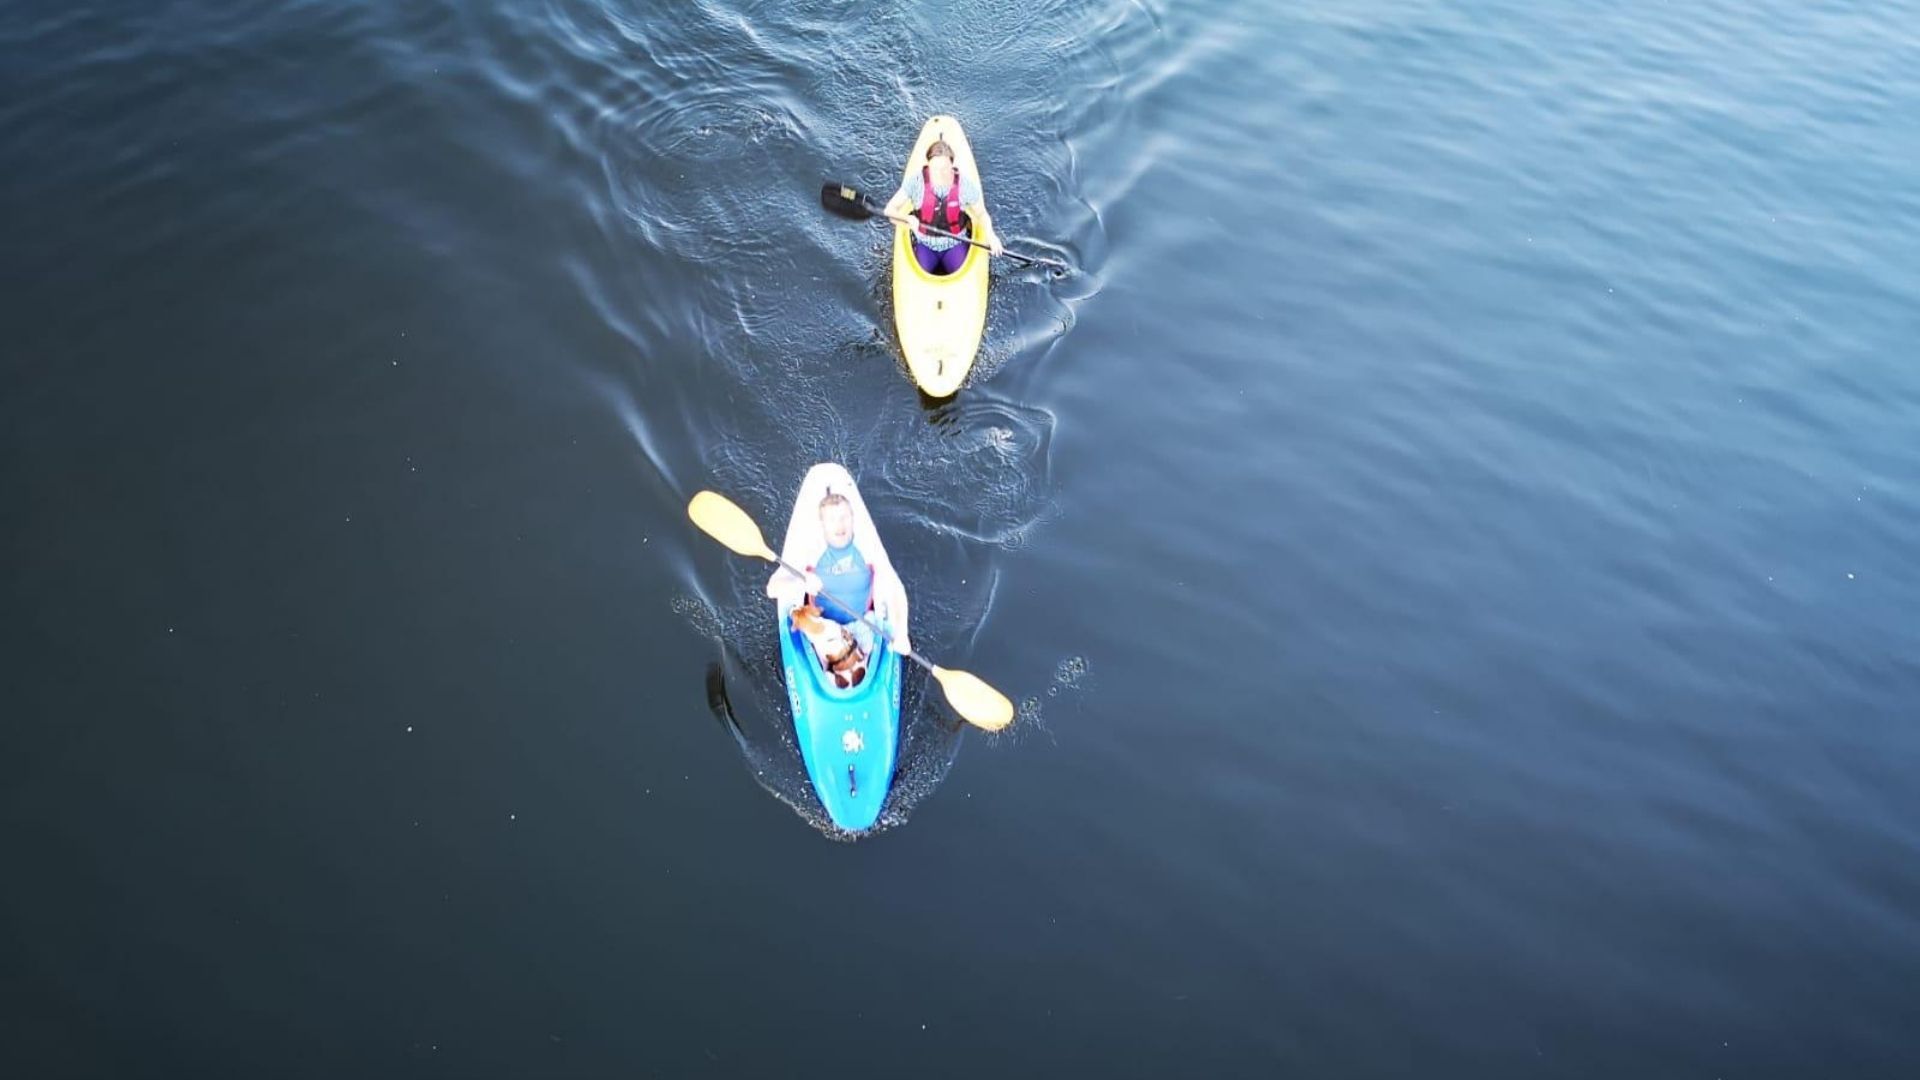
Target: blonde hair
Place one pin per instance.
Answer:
(834, 498)
(938, 149)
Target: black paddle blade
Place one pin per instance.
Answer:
(846, 202)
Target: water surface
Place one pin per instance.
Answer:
(1450, 539)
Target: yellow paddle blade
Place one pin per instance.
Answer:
(976, 702)
(719, 518)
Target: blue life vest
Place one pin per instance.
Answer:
(845, 575)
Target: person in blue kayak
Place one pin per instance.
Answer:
(941, 198)
(843, 584)
(841, 573)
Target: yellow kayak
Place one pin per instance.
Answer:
(940, 319)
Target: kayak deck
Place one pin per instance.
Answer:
(847, 737)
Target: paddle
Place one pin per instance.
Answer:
(976, 702)
(848, 203)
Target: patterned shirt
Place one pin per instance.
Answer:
(915, 189)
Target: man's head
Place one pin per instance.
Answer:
(836, 519)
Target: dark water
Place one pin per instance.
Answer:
(1452, 540)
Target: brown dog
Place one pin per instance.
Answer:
(835, 645)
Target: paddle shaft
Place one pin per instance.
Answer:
(963, 239)
(838, 194)
(1028, 259)
(844, 606)
(719, 517)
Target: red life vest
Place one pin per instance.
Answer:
(930, 203)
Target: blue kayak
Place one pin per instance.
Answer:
(848, 737)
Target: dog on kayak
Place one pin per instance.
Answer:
(836, 646)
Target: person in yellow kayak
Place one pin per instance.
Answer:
(941, 198)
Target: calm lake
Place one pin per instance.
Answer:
(1451, 540)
